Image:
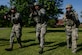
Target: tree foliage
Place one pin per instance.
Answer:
(53, 9)
(3, 22)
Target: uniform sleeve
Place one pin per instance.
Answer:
(17, 15)
(43, 12)
(30, 15)
(35, 13)
(76, 16)
(77, 20)
(64, 18)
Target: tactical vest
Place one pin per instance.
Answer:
(39, 18)
(71, 20)
(14, 19)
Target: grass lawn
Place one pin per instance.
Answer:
(55, 42)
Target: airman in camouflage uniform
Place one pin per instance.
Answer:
(16, 20)
(72, 23)
(39, 15)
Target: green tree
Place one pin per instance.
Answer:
(53, 7)
(3, 22)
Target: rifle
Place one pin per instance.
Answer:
(72, 17)
(32, 8)
(7, 15)
(68, 15)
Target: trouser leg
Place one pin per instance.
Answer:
(69, 42)
(69, 37)
(12, 37)
(11, 40)
(42, 36)
(77, 33)
(38, 30)
(74, 44)
(38, 36)
(18, 35)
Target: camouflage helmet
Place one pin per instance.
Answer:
(69, 6)
(36, 3)
(13, 7)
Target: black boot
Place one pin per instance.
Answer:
(9, 49)
(41, 51)
(19, 42)
(69, 43)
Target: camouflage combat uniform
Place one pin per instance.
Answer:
(72, 24)
(16, 29)
(39, 17)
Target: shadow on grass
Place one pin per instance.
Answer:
(33, 44)
(4, 39)
(32, 32)
(54, 46)
(80, 30)
(79, 47)
(59, 44)
(48, 43)
(25, 41)
(4, 42)
(62, 44)
(48, 31)
(59, 30)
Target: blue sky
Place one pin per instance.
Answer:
(4, 2)
(77, 5)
